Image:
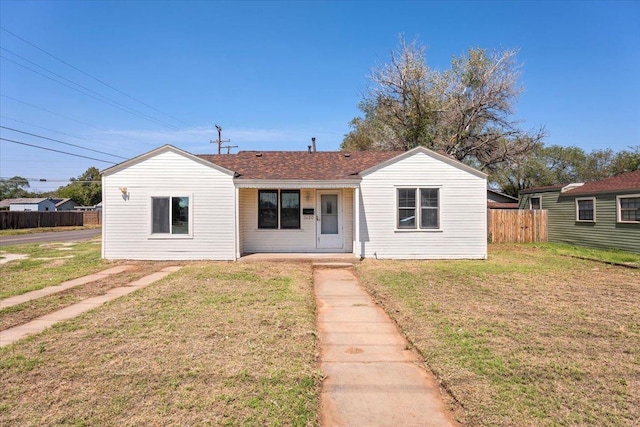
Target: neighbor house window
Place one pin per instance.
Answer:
(418, 208)
(170, 215)
(535, 203)
(628, 208)
(279, 209)
(586, 210)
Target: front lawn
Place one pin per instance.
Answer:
(526, 338)
(214, 344)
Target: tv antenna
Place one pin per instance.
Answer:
(219, 141)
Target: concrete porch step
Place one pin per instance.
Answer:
(339, 258)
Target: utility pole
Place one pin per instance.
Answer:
(220, 141)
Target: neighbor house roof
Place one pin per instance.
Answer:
(544, 189)
(60, 202)
(22, 201)
(625, 182)
(300, 165)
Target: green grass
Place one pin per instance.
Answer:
(605, 255)
(221, 344)
(48, 264)
(525, 338)
(45, 230)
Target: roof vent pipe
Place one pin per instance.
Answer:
(313, 143)
(309, 148)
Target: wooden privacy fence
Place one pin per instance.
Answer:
(517, 226)
(15, 220)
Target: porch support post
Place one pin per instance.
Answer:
(356, 222)
(237, 221)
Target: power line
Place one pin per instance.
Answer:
(55, 131)
(61, 142)
(3, 179)
(106, 100)
(56, 151)
(69, 118)
(91, 76)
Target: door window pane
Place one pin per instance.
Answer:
(329, 214)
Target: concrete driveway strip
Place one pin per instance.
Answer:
(19, 299)
(12, 335)
(371, 379)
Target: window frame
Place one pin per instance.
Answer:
(619, 208)
(418, 208)
(539, 203)
(170, 234)
(584, 199)
(279, 193)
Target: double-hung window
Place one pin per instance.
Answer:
(170, 215)
(418, 208)
(586, 210)
(628, 208)
(279, 209)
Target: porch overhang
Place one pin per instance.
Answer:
(296, 184)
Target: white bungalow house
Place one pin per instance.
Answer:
(168, 204)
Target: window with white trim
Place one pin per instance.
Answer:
(586, 209)
(535, 203)
(279, 209)
(628, 208)
(170, 215)
(418, 208)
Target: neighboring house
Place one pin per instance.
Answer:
(170, 204)
(41, 204)
(497, 200)
(599, 214)
(65, 204)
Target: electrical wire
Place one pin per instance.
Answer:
(61, 142)
(91, 76)
(56, 151)
(56, 131)
(70, 118)
(107, 100)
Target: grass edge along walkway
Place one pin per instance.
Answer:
(16, 333)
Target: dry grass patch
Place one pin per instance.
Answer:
(525, 338)
(213, 344)
(49, 264)
(23, 313)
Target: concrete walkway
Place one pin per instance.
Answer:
(19, 299)
(371, 379)
(11, 335)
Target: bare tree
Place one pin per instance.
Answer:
(465, 111)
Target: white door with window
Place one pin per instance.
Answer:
(329, 220)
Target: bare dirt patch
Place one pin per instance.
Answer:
(525, 338)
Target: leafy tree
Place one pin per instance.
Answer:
(85, 189)
(556, 164)
(465, 111)
(13, 188)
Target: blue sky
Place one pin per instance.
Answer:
(274, 74)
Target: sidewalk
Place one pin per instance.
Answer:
(371, 379)
(16, 333)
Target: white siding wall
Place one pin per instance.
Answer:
(463, 227)
(127, 221)
(303, 240)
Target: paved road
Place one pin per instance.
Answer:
(55, 236)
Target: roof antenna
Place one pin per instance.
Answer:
(313, 143)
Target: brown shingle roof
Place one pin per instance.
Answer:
(543, 189)
(625, 182)
(300, 165)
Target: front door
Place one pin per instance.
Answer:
(329, 220)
